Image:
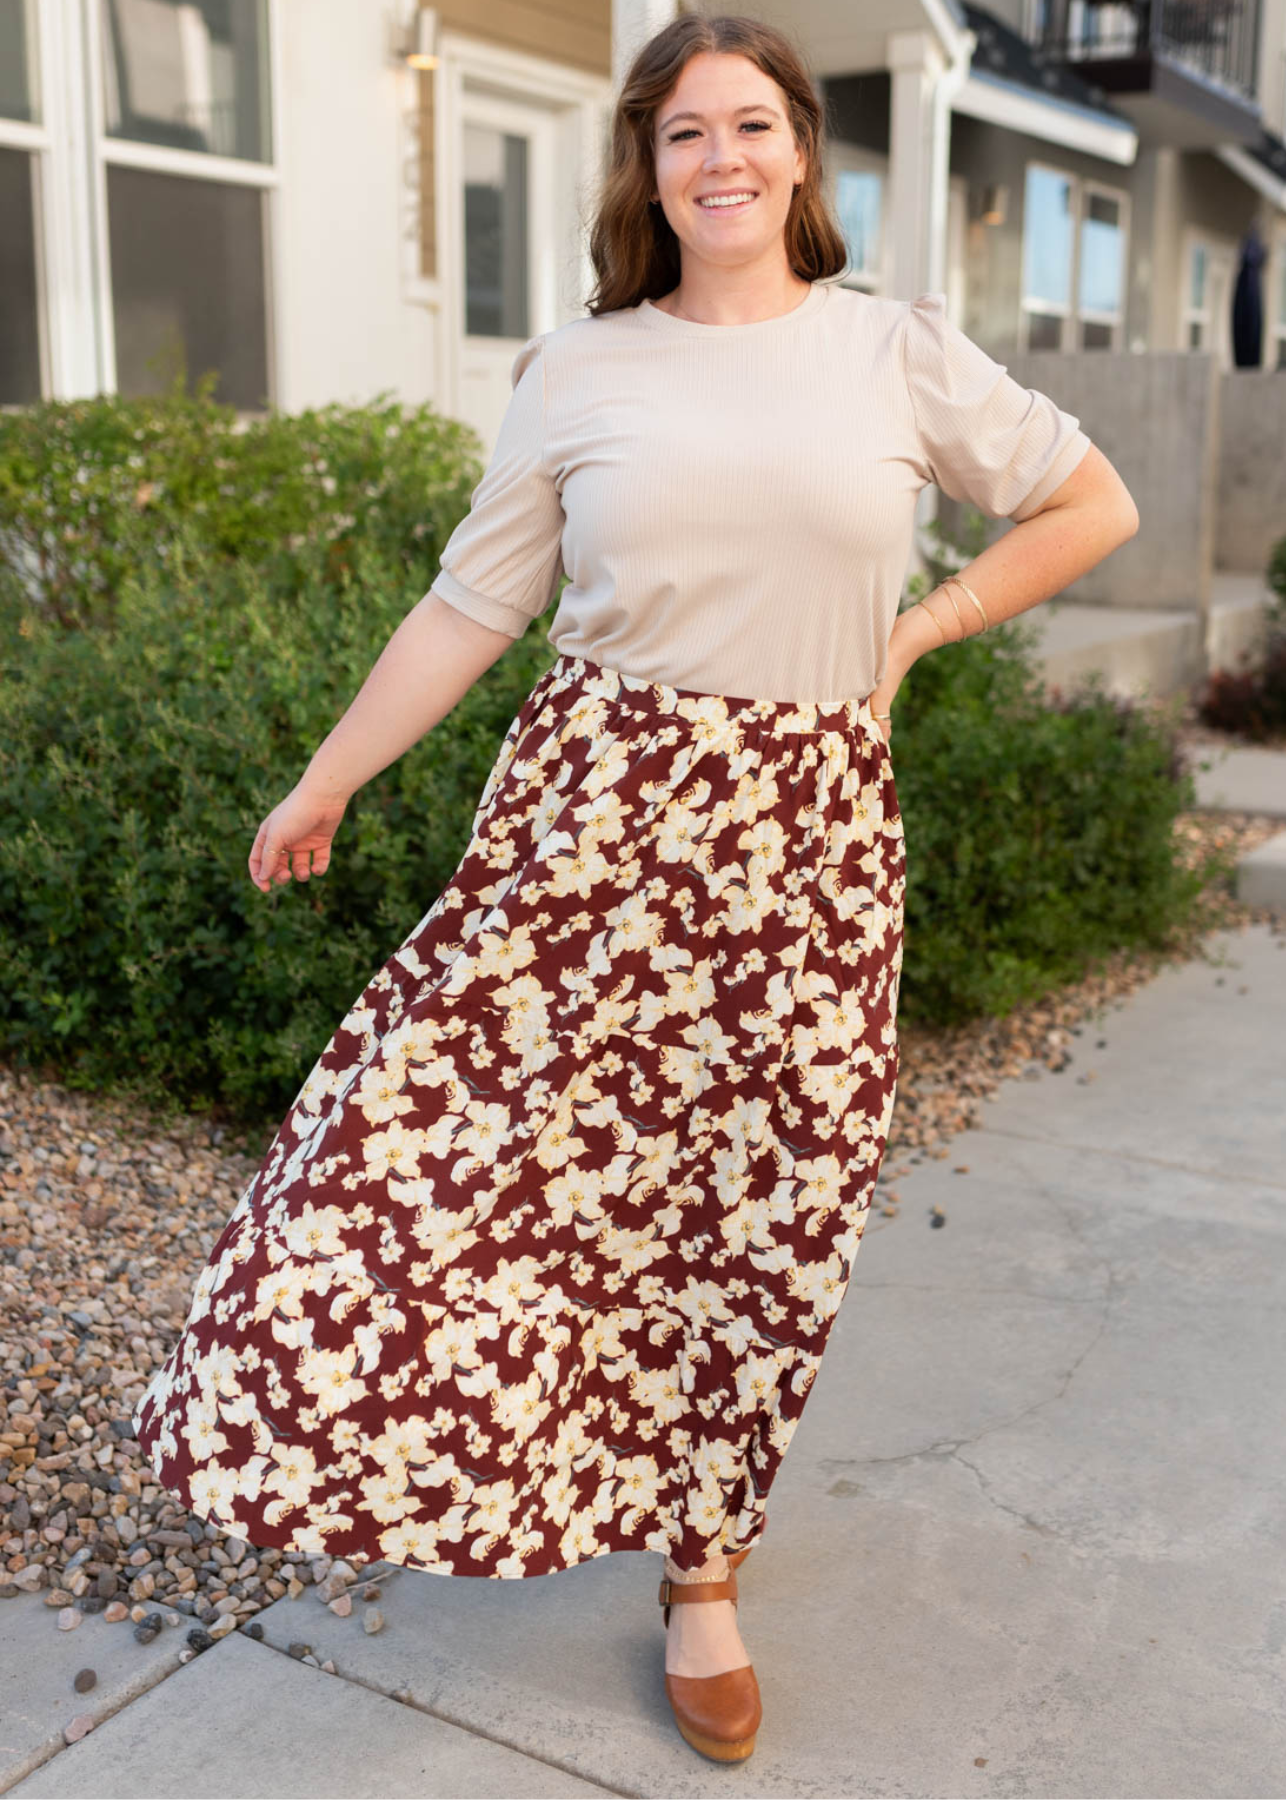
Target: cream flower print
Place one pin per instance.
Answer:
(543, 1259)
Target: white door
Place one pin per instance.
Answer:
(507, 206)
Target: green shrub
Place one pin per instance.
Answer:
(156, 704)
(1040, 834)
(92, 489)
(135, 766)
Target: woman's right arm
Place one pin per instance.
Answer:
(428, 665)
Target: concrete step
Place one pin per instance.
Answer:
(1138, 650)
(1153, 650)
(1261, 875)
(1236, 620)
(1241, 780)
(1249, 781)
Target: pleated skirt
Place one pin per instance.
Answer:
(542, 1261)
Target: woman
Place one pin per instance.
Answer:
(543, 1260)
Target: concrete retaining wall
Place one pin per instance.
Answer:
(1252, 468)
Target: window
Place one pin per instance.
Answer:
(1074, 237)
(17, 86)
(496, 261)
(1101, 287)
(136, 175)
(188, 284)
(20, 141)
(1196, 315)
(857, 195)
(186, 73)
(183, 83)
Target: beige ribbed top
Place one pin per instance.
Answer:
(733, 504)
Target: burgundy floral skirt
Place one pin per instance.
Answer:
(543, 1259)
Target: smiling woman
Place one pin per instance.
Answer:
(728, 169)
(543, 1262)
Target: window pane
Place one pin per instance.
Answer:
(1047, 237)
(1198, 276)
(19, 334)
(187, 73)
(495, 233)
(857, 195)
(188, 284)
(1044, 332)
(17, 77)
(1102, 256)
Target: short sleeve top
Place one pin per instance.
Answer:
(733, 505)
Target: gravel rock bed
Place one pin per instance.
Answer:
(106, 1219)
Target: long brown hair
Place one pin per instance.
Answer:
(631, 242)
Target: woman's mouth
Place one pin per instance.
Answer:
(727, 203)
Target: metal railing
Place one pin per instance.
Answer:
(1215, 38)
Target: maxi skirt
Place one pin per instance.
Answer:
(543, 1259)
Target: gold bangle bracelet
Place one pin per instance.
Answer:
(955, 609)
(936, 620)
(986, 622)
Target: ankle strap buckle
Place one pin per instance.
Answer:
(672, 1592)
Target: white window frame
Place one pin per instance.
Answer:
(1072, 316)
(1215, 339)
(71, 154)
(1190, 314)
(1087, 186)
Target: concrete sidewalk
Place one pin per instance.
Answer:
(1028, 1540)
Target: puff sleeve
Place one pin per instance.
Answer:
(982, 436)
(502, 561)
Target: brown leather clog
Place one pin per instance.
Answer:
(718, 1715)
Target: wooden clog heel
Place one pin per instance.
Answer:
(719, 1715)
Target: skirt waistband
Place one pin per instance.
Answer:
(782, 717)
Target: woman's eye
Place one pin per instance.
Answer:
(690, 131)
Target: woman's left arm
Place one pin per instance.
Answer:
(1087, 517)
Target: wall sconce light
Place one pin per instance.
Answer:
(995, 203)
(420, 48)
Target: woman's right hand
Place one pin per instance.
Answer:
(298, 830)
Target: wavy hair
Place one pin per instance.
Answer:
(632, 245)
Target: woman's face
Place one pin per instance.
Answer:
(737, 141)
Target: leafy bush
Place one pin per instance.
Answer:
(135, 766)
(166, 683)
(90, 490)
(1040, 836)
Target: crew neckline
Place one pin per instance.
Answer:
(811, 303)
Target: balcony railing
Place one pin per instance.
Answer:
(1215, 38)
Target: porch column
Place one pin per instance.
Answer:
(922, 78)
(633, 22)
